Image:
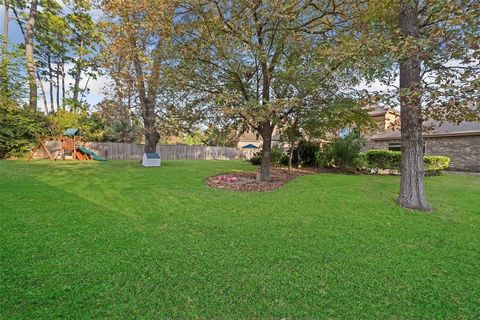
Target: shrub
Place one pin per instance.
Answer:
(277, 155)
(324, 157)
(303, 154)
(18, 129)
(306, 153)
(386, 159)
(361, 161)
(383, 159)
(436, 163)
(256, 159)
(343, 153)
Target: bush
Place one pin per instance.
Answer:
(325, 157)
(361, 161)
(436, 163)
(256, 159)
(277, 156)
(383, 159)
(305, 153)
(343, 153)
(386, 159)
(19, 129)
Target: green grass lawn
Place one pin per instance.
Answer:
(83, 240)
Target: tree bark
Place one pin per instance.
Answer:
(4, 71)
(31, 68)
(63, 82)
(151, 134)
(50, 82)
(266, 131)
(57, 84)
(78, 77)
(44, 95)
(293, 131)
(412, 187)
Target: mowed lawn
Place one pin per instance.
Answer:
(84, 240)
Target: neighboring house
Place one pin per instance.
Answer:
(250, 138)
(461, 143)
(386, 119)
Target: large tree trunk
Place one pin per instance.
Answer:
(63, 82)
(412, 188)
(4, 71)
(293, 131)
(151, 134)
(266, 131)
(78, 77)
(32, 84)
(50, 80)
(57, 84)
(44, 95)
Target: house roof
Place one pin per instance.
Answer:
(433, 128)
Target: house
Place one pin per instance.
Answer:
(385, 118)
(459, 142)
(251, 138)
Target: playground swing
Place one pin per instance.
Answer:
(66, 145)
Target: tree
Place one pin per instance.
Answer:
(433, 45)
(83, 39)
(412, 188)
(4, 66)
(243, 58)
(138, 34)
(31, 68)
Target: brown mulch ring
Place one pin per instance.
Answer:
(247, 181)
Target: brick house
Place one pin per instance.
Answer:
(461, 143)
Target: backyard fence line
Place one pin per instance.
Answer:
(133, 151)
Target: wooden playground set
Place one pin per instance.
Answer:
(69, 145)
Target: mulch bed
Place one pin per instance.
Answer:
(247, 181)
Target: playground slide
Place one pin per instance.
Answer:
(91, 153)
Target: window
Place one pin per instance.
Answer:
(396, 146)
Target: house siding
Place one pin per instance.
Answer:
(463, 151)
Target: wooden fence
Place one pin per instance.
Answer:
(132, 151)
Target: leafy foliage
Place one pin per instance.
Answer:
(386, 159)
(18, 129)
(90, 124)
(343, 152)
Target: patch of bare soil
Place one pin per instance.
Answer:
(248, 181)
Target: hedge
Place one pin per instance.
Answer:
(386, 159)
(436, 163)
(383, 159)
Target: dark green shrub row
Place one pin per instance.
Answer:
(386, 159)
(383, 159)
